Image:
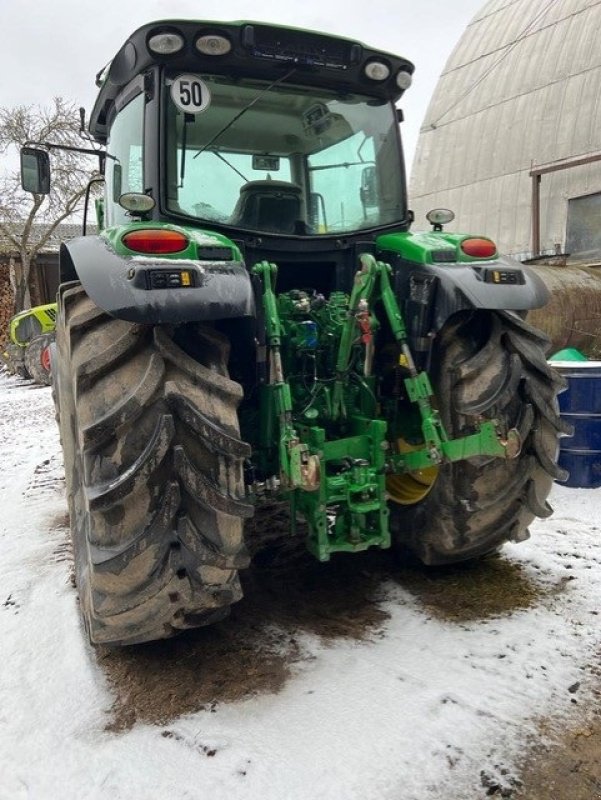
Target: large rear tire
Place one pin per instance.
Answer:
(153, 465)
(485, 365)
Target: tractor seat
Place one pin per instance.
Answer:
(271, 206)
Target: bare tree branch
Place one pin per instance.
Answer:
(70, 207)
(9, 235)
(28, 221)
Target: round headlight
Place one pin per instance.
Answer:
(403, 79)
(213, 45)
(377, 70)
(164, 44)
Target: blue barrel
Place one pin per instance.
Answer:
(580, 405)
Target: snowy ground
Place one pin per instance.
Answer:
(421, 707)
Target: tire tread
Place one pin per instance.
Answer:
(157, 526)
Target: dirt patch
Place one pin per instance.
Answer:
(158, 682)
(286, 592)
(568, 769)
(254, 650)
(472, 591)
(566, 764)
(558, 762)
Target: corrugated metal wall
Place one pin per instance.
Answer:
(522, 87)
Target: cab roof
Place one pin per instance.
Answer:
(257, 49)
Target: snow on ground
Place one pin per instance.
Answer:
(417, 711)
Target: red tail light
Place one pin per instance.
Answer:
(479, 248)
(155, 240)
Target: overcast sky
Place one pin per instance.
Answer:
(56, 47)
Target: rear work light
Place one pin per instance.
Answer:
(479, 248)
(377, 70)
(166, 43)
(155, 240)
(213, 45)
(403, 79)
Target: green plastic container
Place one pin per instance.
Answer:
(568, 354)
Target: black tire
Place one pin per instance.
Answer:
(37, 358)
(487, 365)
(153, 465)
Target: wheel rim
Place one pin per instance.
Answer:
(45, 359)
(410, 487)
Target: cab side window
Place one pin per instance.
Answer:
(125, 162)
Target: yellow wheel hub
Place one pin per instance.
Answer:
(410, 487)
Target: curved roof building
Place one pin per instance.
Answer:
(522, 89)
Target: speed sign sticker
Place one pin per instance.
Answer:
(190, 94)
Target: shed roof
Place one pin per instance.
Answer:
(63, 232)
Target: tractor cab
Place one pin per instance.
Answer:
(285, 141)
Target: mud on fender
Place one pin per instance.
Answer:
(149, 289)
(441, 290)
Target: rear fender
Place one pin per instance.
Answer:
(430, 294)
(120, 284)
(437, 269)
(457, 287)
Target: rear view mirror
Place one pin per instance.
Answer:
(268, 163)
(35, 170)
(369, 187)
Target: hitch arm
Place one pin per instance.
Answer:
(298, 467)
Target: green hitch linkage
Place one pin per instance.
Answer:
(298, 468)
(486, 441)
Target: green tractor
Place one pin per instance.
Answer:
(255, 323)
(31, 335)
